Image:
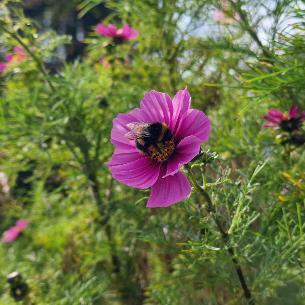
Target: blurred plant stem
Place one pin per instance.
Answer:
(224, 235)
(288, 149)
(38, 62)
(103, 206)
(236, 5)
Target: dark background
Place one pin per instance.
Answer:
(63, 17)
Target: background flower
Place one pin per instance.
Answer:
(17, 56)
(223, 15)
(22, 224)
(3, 66)
(126, 33)
(10, 235)
(286, 121)
(14, 232)
(190, 128)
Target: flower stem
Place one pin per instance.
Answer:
(225, 237)
(249, 29)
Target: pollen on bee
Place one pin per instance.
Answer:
(162, 151)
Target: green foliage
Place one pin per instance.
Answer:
(90, 239)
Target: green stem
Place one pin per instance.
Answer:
(249, 29)
(224, 235)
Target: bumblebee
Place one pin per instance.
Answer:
(291, 125)
(153, 139)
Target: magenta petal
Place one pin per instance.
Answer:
(134, 170)
(276, 114)
(185, 151)
(101, 29)
(272, 119)
(104, 30)
(11, 235)
(18, 49)
(195, 123)
(158, 107)
(133, 34)
(112, 30)
(22, 224)
(127, 32)
(2, 66)
(181, 105)
(294, 112)
(168, 191)
(9, 57)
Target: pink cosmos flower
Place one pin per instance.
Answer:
(22, 224)
(17, 56)
(289, 122)
(126, 33)
(9, 57)
(154, 141)
(11, 235)
(3, 66)
(14, 232)
(222, 16)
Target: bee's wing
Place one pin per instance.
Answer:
(137, 130)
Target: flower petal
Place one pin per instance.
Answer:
(195, 123)
(272, 119)
(9, 57)
(181, 105)
(185, 151)
(11, 235)
(168, 191)
(134, 170)
(3, 66)
(158, 107)
(127, 32)
(294, 112)
(106, 30)
(277, 115)
(22, 224)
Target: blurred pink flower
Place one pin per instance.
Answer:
(154, 141)
(17, 56)
(22, 224)
(14, 232)
(11, 235)
(126, 33)
(223, 16)
(289, 122)
(9, 57)
(106, 30)
(3, 66)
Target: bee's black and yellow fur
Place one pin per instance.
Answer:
(155, 140)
